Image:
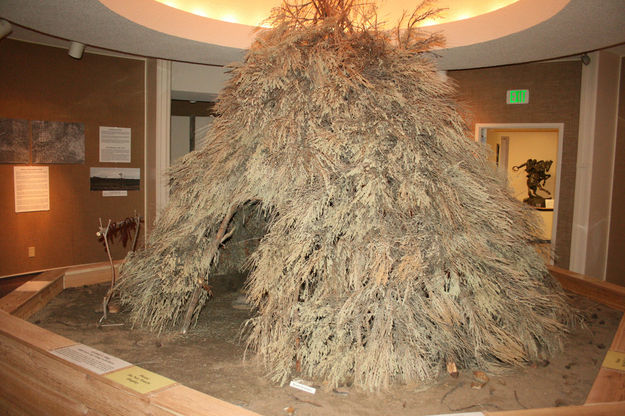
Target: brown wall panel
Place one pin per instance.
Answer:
(615, 271)
(44, 83)
(554, 98)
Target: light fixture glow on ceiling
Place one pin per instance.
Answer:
(254, 12)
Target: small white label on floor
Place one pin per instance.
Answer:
(297, 384)
(90, 358)
(462, 414)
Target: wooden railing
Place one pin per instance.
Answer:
(36, 381)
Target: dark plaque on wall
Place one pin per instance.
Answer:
(58, 142)
(14, 141)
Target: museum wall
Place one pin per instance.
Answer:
(150, 145)
(197, 82)
(554, 98)
(615, 271)
(43, 83)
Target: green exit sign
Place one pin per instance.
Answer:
(518, 96)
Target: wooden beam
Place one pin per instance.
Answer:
(27, 361)
(22, 354)
(609, 385)
(24, 393)
(618, 342)
(34, 294)
(186, 401)
(606, 293)
(35, 381)
(90, 274)
(20, 329)
(600, 409)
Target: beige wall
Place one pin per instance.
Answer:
(602, 164)
(179, 140)
(554, 98)
(44, 83)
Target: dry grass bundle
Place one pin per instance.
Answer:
(392, 246)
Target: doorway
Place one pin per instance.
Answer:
(190, 123)
(513, 147)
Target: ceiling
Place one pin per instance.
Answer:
(524, 31)
(255, 12)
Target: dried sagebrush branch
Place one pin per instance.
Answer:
(392, 246)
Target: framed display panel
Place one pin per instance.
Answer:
(14, 142)
(58, 142)
(36, 380)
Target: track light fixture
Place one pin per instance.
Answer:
(5, 28)
(585, 59)
(76, 49)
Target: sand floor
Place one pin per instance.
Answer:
(210, 359)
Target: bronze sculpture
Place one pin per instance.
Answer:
(536, 178)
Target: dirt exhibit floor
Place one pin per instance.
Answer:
(209, 358)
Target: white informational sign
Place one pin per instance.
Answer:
(91, 359)
(300, 385)
(115, 144)
(32, 188)
(114, 193)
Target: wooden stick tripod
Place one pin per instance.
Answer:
(103, 232)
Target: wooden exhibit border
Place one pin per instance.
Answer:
(603, 292)
(36, 381)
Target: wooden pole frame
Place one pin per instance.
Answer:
(36, 381)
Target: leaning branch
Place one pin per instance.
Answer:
(220, 237)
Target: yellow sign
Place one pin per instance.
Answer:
(614, 360)
(139, 379)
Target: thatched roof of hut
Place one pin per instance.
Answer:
(392, 246)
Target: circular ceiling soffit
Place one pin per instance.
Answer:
(155, 15)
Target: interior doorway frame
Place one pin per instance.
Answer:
(481, 130)
(162, 133)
